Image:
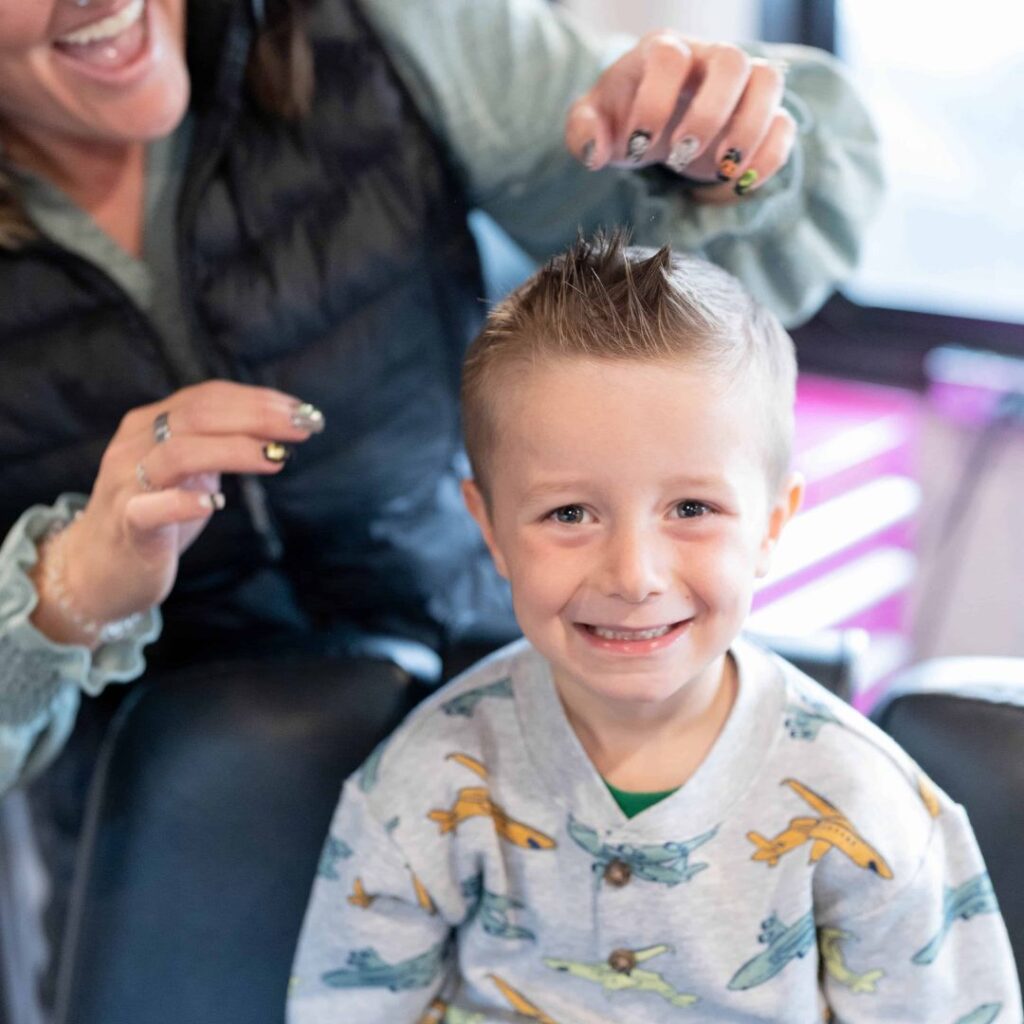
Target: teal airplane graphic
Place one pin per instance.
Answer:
(334, 850)
(368, 773)
(493, 911)
(785, 944)
(667, 863)
(984, 1014)
(366, 969)
(804, 721)
(975, 896)
(465, 704)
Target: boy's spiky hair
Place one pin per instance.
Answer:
(602, 299)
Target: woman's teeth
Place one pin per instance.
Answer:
(106, 28)
(629, 634)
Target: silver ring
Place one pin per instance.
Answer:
(161, 428)
(143, 477)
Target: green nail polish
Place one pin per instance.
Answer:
(746, 182)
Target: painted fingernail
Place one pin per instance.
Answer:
(637, 145)
(746, 182)
(212, 502)
(274, 451)
(587, 154)
(729, 164)
(308, 417)
(683, 152)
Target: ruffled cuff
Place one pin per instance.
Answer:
(33, 668)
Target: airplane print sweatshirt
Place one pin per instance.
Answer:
(478, 871)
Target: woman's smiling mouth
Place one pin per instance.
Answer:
(108, 44)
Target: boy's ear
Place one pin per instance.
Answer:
(477, 506)
(786, 505)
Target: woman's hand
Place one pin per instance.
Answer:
(706, 110)
(158, 486)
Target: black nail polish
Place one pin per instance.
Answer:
(274, 451)
(587, 154)
(638, 144)
(729, 164)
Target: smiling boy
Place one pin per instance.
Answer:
(634, 815)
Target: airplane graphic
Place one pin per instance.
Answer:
(334, 850)
(804, 721)
(984, 1014)
(520, 1003)
(476, 802)
(832, 830)
(975, 896)
(785, 944)
(667, 863)
(628, 975)
(367, 970)
(465, 703)
(494, 911)
(829, 945)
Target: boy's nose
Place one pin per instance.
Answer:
(634, 567)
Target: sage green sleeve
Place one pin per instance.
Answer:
(495, 79)
(41, 682)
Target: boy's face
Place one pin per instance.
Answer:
(629, 509)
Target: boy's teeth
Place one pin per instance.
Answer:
(630, 634)
(106, 28)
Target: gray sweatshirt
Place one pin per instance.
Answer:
(478, 870)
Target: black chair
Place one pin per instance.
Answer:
(962, 720)
(206, 817)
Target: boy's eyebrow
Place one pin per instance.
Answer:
(703, 482)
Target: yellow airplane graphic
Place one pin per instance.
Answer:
(434, 1013)
(361, 898)
(422, 896)
(928, 795)
(832, 829)
(476, 802)
(520, 1003)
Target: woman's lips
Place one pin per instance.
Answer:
(110, 46)
(620, 640)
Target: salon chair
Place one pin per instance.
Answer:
(962, 720)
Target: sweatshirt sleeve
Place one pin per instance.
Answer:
(373, 947)
(935, 951)
(41, 682)
(495, 79)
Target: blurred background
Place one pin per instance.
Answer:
(911, 410)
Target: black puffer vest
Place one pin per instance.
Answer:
(329, 259)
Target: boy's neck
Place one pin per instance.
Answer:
(654, 749)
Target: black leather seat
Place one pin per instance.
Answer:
(962, 720)
(207, 814)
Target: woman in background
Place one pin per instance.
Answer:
(226, 224)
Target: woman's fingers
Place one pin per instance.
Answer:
(750, 122)
(768, 159)
(665, 68)
(724, 72)
(148, 514)
(705, 110)
(587, 136)
(188, 455)
(224, 407)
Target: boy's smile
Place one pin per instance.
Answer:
(629, 509)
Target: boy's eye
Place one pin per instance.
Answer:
(569, 514)
(691, 509)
